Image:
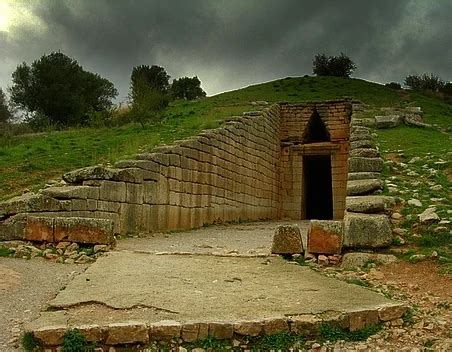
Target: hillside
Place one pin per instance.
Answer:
(28, 161)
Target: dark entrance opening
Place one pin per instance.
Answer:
(318, 187)
(316, 130)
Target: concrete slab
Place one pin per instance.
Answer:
(252, 239)
(214, 288)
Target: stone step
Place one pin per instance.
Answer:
(142, 297)
(49, 329)
(363, 187)
(367, 204)
(364, 143)
(366, 230)
(360, 164)
(71, 229)
(362, 175)
(365, 152)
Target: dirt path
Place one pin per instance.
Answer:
(25, 288)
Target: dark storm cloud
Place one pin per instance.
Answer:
(229, 44)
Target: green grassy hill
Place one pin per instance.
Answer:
(28, 161)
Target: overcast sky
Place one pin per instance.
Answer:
(231, 43)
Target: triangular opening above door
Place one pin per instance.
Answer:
(316, 130)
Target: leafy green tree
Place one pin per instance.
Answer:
(5, 113)
(187, 88)
(425, 82)
(149, 93)
(339, 66)
(144, 78)
(59, 88)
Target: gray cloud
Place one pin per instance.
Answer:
(230, 44)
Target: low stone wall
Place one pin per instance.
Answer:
(173, 333)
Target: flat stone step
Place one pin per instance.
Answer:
(362, 175)
(142, 297)
(365, 152)
(366, 230)
(360, 164)
(364, 143)
(363, 187)
(368, 204)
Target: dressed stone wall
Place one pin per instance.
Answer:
(251, 168)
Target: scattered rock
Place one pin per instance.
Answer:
(387, 121)
(323, 260)
(396, 216)
(428, 216)
(415, 202)
(417, 258)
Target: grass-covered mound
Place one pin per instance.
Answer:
(27, 161)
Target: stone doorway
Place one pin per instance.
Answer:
(318, 188)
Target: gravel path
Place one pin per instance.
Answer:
(25, 288)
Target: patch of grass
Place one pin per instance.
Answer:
(5, 252)
(74, 341)
(408, 317)
(29, 343)
(282, 341)
(358, 282)
(334, 333)
(210, 342)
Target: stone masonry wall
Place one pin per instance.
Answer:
(225, 174)
(248, 169)
(294, 119)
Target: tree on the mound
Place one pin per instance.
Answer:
(5, 113)
(339, 66)
(425, 82)
(149, 92)
(59, 88)
(187, 88)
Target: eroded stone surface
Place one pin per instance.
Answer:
(366, 230)
(287, 240)
(325, 236)
(363, 187)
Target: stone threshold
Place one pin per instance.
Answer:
(50, 328)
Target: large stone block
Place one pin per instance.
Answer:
(39, 229)
(389, 121)
(365, 153)
(287, 240)
(366, 230)
(113, 191)
(362, 319)
(83, 230)
(71, 192)
(360, 164)
(352, 176)
(127, 333)
(325, 236)
(365, 204)
(362, 187)
(31, 202)
(165, 330)
(13, 228)
(103, 173)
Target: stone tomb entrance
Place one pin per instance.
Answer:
(318, 188)
(314, 153)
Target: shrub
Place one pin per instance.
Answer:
(393, 85)
(74, 341)
(425, 82)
